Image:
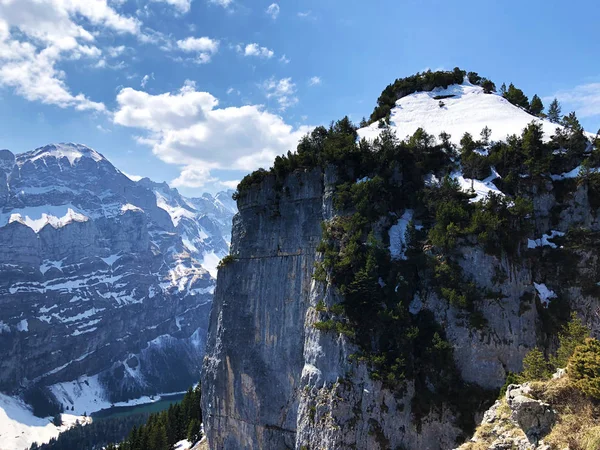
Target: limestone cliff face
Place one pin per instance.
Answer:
(271, 380)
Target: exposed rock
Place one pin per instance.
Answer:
(100, 275)
(535, 417)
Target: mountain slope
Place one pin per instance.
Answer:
(466, 109)
(102, 291)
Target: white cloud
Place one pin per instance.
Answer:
(223, 3)
(284, 59)
(181, 5)
(255, 50)
(282, 90)
(305, 14)
(193, 176)
(204, 48)
(36, 35)
(273, 10)
(315, 81)
(584, 99)
(146, 79)
(186, 128)
(114, 52)
(230, 184)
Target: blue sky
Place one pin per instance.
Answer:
(199, 92)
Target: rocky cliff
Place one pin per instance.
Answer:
(101, 279)
(287, 365)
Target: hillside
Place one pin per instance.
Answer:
(102, 282)
(380, 291)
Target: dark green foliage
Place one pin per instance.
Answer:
(535, 366)
(571, 137)
(488, 86)
(536, 106)
(516, 97)
(584, 367)
(163, 430)
(572, 335)
(554, 112)
(226, 261)
(57, 420)
(97, 434)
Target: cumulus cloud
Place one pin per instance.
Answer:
(283, 90)
(187, 128)
(273, 10)
(585, 99)
(204, 48)
(255, 50)
(181, 5)
(36, 35)
(315, 81)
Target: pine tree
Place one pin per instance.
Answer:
(571, 336)
(488, 86)
(536, 106)
(503, 90)
(516, 97)
(554, 111)
(535, 366)
(486, 133)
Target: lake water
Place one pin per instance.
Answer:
(124, 411)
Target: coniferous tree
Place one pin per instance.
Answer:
(536, 106)
(516, 97)
(503, 89)
(488, 86)
(554, 112)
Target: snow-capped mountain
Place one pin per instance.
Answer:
(458, 109)
(101, 278)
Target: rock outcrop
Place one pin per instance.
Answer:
(272, 378)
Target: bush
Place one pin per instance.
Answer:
(584, 368)
(226, 261)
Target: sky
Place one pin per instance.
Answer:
(200, 92)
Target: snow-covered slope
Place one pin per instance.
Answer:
(19, 428)
(101, 277)
(468, 110)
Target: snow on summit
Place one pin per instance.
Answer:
(468, 110)
(72, 152)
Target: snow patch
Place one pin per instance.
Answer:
(37, 217)
(480, 188)
(544, 240)
(23, 326)
(210, 262)
(544, 293)
(397, 235)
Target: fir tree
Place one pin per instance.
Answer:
(488, 86)
(503, 90)
(536, 106)
(516, 97)
(535, 366)
(554, 112)
(572, 335)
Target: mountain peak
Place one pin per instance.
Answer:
(458, 109)
(73, 152)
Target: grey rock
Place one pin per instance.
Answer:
(95, 275)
